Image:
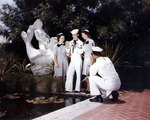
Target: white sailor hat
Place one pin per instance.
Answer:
(97, 49)
(60, 34)
(87, 31)
(75, 31)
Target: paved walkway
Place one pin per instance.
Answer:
(131, 106)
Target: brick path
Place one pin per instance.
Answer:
(131, 106)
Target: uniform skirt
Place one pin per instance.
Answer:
(63, 67)
(86, 66)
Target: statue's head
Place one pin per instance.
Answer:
(38, 24)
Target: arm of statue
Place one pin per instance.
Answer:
(24, 36)
(39, 36)
(30, 32)
(27, 36)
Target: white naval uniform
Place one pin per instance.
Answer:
(107, 82)
(74, 66)
(60, 51)
(87, 49)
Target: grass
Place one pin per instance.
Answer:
(113, 52)
(7, 65)
(21, 67)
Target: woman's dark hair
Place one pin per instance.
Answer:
(59, 35)
(87, 33)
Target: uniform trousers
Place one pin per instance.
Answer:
(104, 87)
(74, 66)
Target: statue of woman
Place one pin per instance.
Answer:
(41, 35)
(43, 57)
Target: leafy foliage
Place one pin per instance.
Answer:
(123, 23)
(6, 65)
(11, 63)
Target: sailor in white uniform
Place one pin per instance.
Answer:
(75, 51)
(87, 49)
(107, 81)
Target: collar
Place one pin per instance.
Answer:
(59, 44)
(98, 59)
(101, 58)
(86, 41)
(75, 41)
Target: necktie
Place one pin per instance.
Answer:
(86, 42)
(58, 45)
(74, 42)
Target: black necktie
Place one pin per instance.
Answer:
(58, 45)
(86, 42)
(74, 42)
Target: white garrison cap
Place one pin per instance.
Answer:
(75, 31)
(86, 31)
(97, 49)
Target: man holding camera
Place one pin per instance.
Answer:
(75, 51)
(104, 80)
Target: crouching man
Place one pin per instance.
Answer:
(104, 80)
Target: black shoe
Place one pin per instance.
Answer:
(87, 92)
(115, 95)
(77, 91)
(97, 99)
(67, 91)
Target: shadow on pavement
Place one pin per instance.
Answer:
(114, 102)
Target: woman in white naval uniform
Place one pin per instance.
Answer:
(108, 81)
(75, 50)
(87, 49)
(60, 59)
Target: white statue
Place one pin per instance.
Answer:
(4, 40)
(41, 59)
(40, 35)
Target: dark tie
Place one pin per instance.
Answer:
(86, 42)
(58, 45)
(74, 42)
